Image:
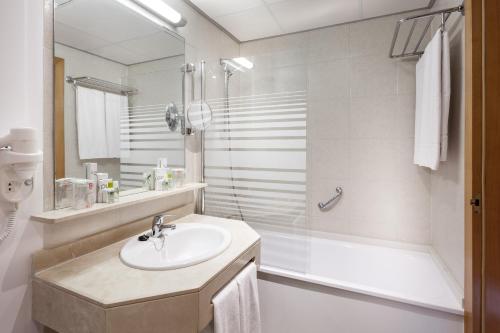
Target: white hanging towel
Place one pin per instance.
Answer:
(227, 309)
(428, 113)
(249, 300)
(236, 307)
(115, 105)
(445, 95)
(91, 123)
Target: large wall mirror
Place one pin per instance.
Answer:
(116, 74)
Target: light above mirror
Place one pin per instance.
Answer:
(156, 11)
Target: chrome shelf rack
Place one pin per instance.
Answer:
(443, 14)
(98, 84)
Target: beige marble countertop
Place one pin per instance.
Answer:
(103, 279)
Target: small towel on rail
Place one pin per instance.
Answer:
(91, 123)
(115, 106)
(236, 306)
(430, 117)
(249, 300)
(227, 309)
(445, 96)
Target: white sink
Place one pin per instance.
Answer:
(187, 245)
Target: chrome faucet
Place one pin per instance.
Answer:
(159, 225)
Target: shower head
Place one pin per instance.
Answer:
(240, 64)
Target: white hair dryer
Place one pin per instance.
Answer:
(19, 158)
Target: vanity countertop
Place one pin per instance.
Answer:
(103, 279)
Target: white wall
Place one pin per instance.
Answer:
(360, 126)
(21, 102)
(447, 184)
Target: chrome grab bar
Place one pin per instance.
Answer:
(322, 205)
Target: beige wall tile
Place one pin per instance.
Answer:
(373, 76)
(329, 80)
(328, 44)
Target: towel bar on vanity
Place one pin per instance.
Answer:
(206, 308)
(252, 260)
(324, 205)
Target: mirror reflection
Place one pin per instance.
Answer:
(116, 75)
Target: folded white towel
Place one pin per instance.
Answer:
(428, 115)
(227, 309)
(445, 95)
(91, 123)
(115, 105)
(249, 300)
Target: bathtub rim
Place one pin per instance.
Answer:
(359, 288)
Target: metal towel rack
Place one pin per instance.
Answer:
(444, 14)
(94, 83)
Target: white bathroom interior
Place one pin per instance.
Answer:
(232, 166)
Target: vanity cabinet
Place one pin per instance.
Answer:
(97, 293)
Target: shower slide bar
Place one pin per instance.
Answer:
(324, 205)
(444, 14)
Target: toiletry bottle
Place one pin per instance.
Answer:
(169, 179)
(81, 194)
(162, 162)
(90, 170)
(116, 188)
(64, 193)
(159, 178)
(148, 183)
(102, 181)
(110, 191)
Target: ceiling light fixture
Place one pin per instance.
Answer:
(156, 11)
(242, 61)
(162, 9)
(240, 64)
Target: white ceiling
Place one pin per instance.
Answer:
(109, 30)
(254, 19)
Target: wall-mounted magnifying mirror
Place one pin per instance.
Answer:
(116, 79)
(172, 117)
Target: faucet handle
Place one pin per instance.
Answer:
(159, 219)
(158, 224)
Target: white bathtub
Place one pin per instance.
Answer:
(403, 284)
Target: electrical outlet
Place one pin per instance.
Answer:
(13, 188)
